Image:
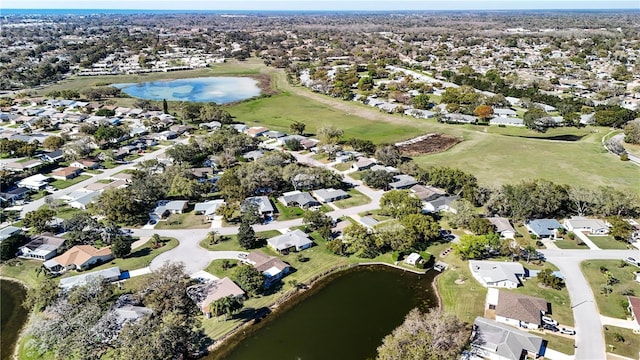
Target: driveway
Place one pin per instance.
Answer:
(590, 342)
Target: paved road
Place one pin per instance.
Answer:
(589, 337)
(34, 205)
(619, 138)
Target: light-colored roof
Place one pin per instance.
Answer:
(219, 289)
(501, 223)
(495, 271)
(521, 307)
(544, 227)
(8, 231)
(329, 194)
(424, 192)
(263, 262)
(79, 280)
(208, 207)
(130, 312)
(296, 238)
(580, 222)
(298, 198)
(504, 340)
(263, 202)
(80, 254)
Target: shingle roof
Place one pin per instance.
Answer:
(80, 254)
(504, 340)
(296, 238)
(521, 307)
(495, 271)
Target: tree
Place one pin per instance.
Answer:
(378, 179)
(249, 279)
(582, 200)
(121, 246)
(422, 102)
(420, 227)
(476, 246)
(621, 73)
(547, 278)
(632, 132)
(10, 246)
(359, 241)
(388, 155)
(319, 222)
(165, 106)
(484, 112)
(297, 127)
(246, 236)
(433, 335)
(533, 118)
(400, 203)
(465, 213)
(620, 229)
(53, 143)
(122, 206)
(39, 219)
(43, 295)
(226, 306)
(329, 136)
(481, 226)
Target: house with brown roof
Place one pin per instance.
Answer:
(516, 309)
(80, 257)
(256, 131)
(634, 309)
(41, 247)
(211, 291)
(66, 173)
(272, 267)
(85, 164)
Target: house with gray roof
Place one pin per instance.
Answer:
(543, 228)
(496, 341)
(442, 203)
(329, 195)
(497, 273)
(41, 247)
(293, 240)
(107, 275)
(166, 208)
(83, 200)
(583, 224)
(9, 231)
(368, 222)
(460, 118)
(130, 313)
(298, 198)
(506, 121)
(209, 208)
(265, 208)
(504, 113)
(402, 181)
(503, 227)
(427, 193)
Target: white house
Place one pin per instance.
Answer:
(170, 207)
(209, 208)
(412, 259)
(497, 273)
(35, 182)
(107, 275)
(329, 195)
(496, 341)
(272, 267)
(41, 247)
(503, 227)
(296, 239)
(583, 224)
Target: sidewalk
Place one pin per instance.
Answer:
(585, 239)
(626, 324)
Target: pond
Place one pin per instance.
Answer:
(221, 90)
(12, 316)
(345, 317)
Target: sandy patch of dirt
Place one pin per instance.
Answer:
(427, 144)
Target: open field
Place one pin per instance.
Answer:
(23, 270)
(614, 304)
(629, 347)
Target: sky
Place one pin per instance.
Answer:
(320, 4)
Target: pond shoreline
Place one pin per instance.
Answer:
(21, 331)
(229, 341)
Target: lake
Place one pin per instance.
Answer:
(12, 316)
(221, 90)
(345, 318)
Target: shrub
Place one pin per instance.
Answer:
(533, 236)
(421, 264)
(539, 243)
(624, 157)
(617, 337)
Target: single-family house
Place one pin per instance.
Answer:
(460, 118)
(253, 155)
(293, 240)
(79, 257)
(256, 131)
(9, 231)
(52, 156)
(506, 121)
(41, 247)
(427, 193)
(272, 267)
(19, 166)
(583, 224)
(298, 198)
(495, 341)
(329, 195)
(107, 275)
(166, 207)
(308, 143)
(497, 273)
(368, 222)
(634, 310)
(504, 112)
(272, 134)
(35, 182)
(211, 125)
(13, 195)
(503, 227)
(265, 209)
(402, 181)
(420, 114)
(129, 313)
(442, 203)
(241, 128)
(543, 228)
(81, 199)
(166, 135)
(516, 309)
(363, 164)
(209, 208)
(66, 173)
(85, 164)
(211, 291)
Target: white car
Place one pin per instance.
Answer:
(550, 321)
(566, 331)
(632, 261)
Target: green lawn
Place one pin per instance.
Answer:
(559, 299)
(184, 221)
(614, 304)
(376, 215)
(343, 166)
(140, 257)
(230, 242)
(63, 184)
(287, 212)
(67, 212)
(23, 270)
(629, 347)
(569, 244)
(357, 175)
(558, 343)
(356, 198)
(608, 242)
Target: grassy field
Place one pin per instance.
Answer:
(558, 343)
(608, 242)
(569, 244)
(630, 347)
(63, 184)
(343, 166)
(614, 304)
(183, 221)
(230, 242)
(20, 269)
(356, 198)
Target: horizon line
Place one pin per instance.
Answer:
(355, 9)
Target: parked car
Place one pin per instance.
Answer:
(549, 321)
(632, 261)
(567, 331)
(550, 327)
